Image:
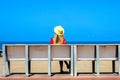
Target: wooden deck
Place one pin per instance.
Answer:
(67, 78)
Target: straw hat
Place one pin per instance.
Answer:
(59, 30)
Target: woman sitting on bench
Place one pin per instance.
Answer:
(59, 39)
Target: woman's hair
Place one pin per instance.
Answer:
(59, 38)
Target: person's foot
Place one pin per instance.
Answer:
(61, 71)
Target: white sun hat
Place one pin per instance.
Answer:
(59, 30)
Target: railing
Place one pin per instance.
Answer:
(67, 52)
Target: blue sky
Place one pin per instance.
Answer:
(83, 20)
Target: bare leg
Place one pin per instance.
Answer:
(67, 64)
(61, 66)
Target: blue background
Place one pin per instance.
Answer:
(33, 21)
